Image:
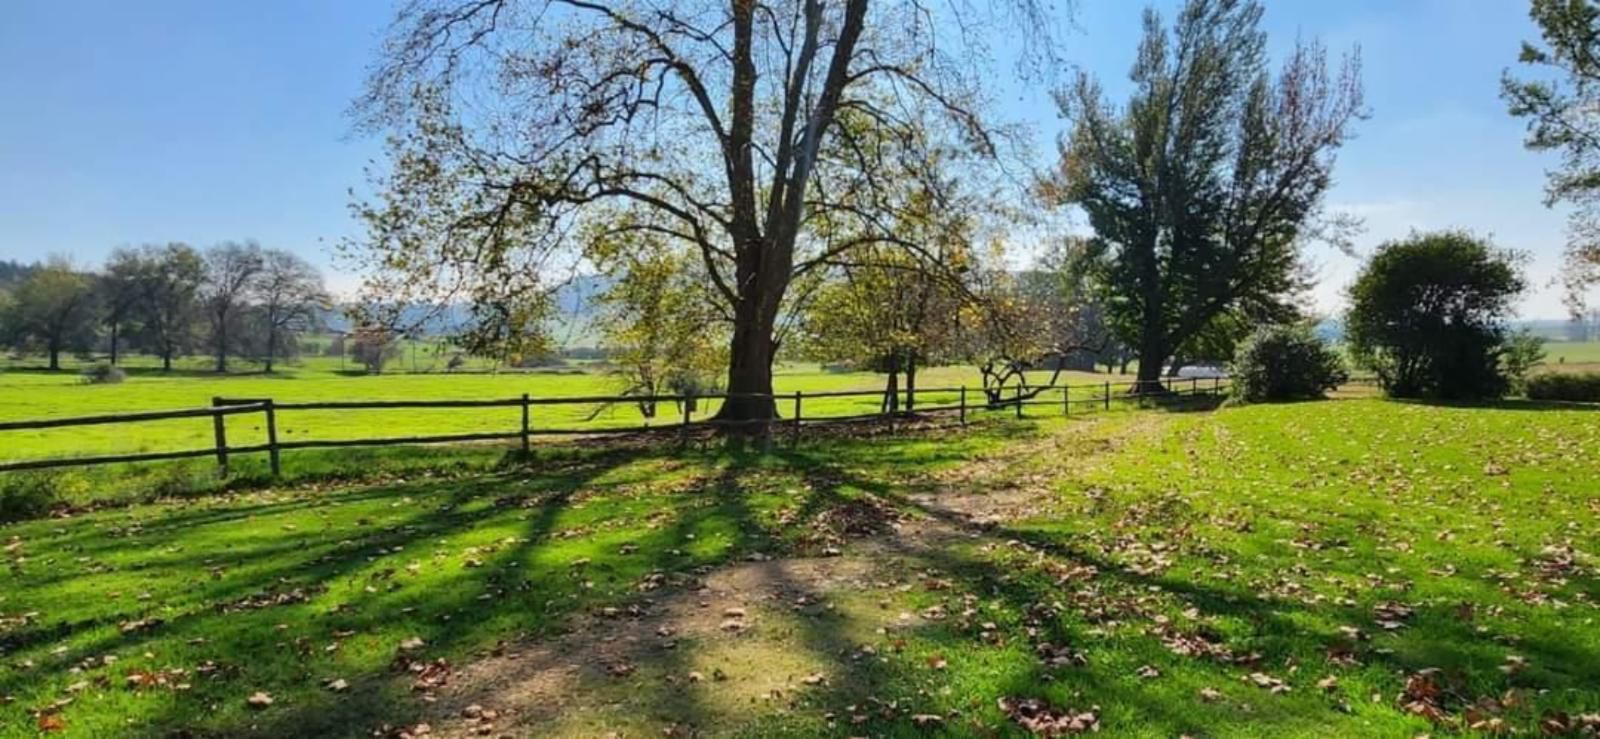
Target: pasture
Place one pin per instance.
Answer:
(1345, 567)
(33, 394)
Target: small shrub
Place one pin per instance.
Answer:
(1286, 363)
(27, 495)
(1582, 387)
(1523, 351)
(104, 374)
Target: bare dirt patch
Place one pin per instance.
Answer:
(720, 650)
(702, 654)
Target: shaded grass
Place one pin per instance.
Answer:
(1260, 533)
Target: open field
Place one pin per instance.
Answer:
(1355, 567)
(1566, 355)
(39, 395)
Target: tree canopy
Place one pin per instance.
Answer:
(731, 128)
(1428, 314)
(1202, 187)
(1560, 111)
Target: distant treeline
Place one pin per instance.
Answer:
(165, 300)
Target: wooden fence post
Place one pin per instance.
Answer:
(963, 405)
(683, 428)
(219, 428)
(525, 447)
(795, 440)
(1216, 386)
(1194, 386)
(1066, 400)
(272, 438)
(1108, 395)
(1019, 400)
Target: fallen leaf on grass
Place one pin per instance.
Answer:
(259, 700)
(1270, 683)
(50, 723)
(1041, 719)
(429, 675)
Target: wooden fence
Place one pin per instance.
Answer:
(1016, 399)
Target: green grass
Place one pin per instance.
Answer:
(37, 395)
(1208, 547)
(1563, 355)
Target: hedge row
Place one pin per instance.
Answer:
(1583, 387)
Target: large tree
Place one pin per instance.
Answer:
(53, 309)
(230, 273)
(1560, 110)
(716, 123)
(168, 278)
(1202, 187)
(288, 295)
(119, 289)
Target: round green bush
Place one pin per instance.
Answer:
(1428, 314)
(1285, 363)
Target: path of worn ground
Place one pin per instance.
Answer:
(717, 651)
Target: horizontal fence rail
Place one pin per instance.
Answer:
(969, 400)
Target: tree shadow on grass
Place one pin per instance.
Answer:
(277, 579)
(1282, 629)
(567, 558)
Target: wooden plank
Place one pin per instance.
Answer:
(37, 464)
(395, 441)
(50, 423)
(346, 405)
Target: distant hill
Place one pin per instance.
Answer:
(572, 327)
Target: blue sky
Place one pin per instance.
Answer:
(201, 121)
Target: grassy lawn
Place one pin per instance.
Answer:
(38, 394)
(1356, 567)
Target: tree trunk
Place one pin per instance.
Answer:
(55, 357)
(1152, 357)
(891, 389)
(749, 367)
(115, 331)
(222, 346)
(911, 382)
(166, 361)
(761, 278)
(272, 347)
